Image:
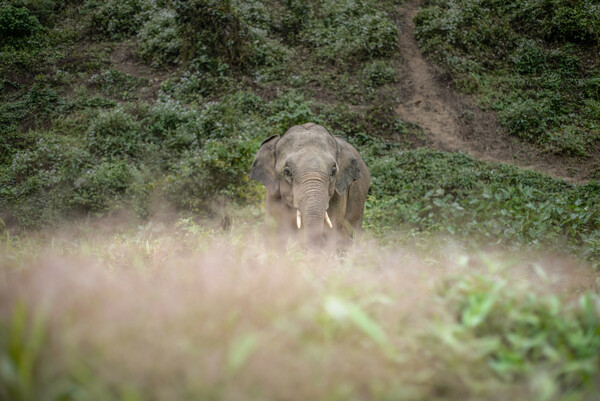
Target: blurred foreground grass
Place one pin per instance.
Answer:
(187, 311)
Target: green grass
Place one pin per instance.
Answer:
(432, 193)
(107, 311)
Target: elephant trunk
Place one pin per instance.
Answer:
(312, 202)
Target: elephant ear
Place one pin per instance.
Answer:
(348, 163)
(263, 168)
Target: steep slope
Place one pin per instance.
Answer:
(454, 122)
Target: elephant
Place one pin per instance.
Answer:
(316, 183)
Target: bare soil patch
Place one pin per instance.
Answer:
(454, 123)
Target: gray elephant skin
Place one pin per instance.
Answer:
(316, 183)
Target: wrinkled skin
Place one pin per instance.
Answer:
(313, 172)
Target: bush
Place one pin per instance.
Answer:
(561, 20)
(432, 192)
(290, 109)
(528, 60)
(115, 133)
(172, 126)
(115, 19)
(227, 135)
(215, 30)
(160, 39)
(349, 32)
(117, 84)
(378, 73)
(16, 23)
(528, 118)
(101, 186)
(42, 9)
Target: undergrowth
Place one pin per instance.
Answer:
(535, 62)
(81, 137)
(87, 313)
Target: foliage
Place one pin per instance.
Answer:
(160, 40)
(85, 135)
(447, 326)
(214, 29)
(291, 109)
(116, 84)
(366, 34)
(530, 61)
(115, 134)
(116, 19)
(432, 192)
(515, 330)
(377, 73)
(16, 23)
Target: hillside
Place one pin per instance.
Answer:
(134, 264)
(450, 106)
(136, 106)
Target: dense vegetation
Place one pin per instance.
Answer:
(179, 312)
(85, 134)
(116, 108)
(533, 61)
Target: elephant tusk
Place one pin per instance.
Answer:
(298, 219)
(328, 221)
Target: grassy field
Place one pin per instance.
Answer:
(187, 311)
(133, 261)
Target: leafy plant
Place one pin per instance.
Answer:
(160, 41)
(16, 23)
(526, 59)
(116, 19)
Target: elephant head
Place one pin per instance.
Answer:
(303, 170)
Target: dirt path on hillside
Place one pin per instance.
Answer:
(453, 122)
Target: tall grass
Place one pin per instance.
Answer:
(187, 311)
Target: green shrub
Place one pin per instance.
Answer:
(292, 18)
(528, 61)
(116, 19)
(378, 73)
(528, 118)
(350, 31)
(290, 109)
(561, 20)
(16, 23)
(115, 133)
(227, 135)
(43, 10)
(529, 58)
(160, 39)
(117, 84)
(34, 108)
(172, 126)
(569, 141)
(592, 87)
(434, 192)
(213, 29)
(195, 85)
(101, 186)
(521, 331)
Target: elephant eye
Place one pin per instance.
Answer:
(333, 170)
(287, 171)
